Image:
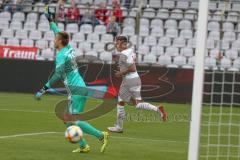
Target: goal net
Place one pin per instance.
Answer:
(220, 125)
(216, 103)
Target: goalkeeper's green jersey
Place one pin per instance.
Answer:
(65, 66)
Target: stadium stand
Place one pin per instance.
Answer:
(165, 32)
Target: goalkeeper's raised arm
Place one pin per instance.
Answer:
(64, 57)
(50, 17)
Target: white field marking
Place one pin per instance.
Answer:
(28, 96)
(144, 139)
(38, 111)
(27, 134)
(22, 110)
(115, 137)
(160, 122)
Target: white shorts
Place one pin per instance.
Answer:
(130, 89)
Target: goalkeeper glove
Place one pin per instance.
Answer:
(39, 94)
(50, 16)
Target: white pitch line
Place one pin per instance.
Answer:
(115, 137)
(29, 97)
(27, 111)
(37, 111)
(27, 134)
(147, 139)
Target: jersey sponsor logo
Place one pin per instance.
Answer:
(13, 52)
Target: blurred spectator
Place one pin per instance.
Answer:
(70, 1)
(45, 1)
(128, 3)
(73, 13)
(61, 2)
(116, 11)
(101, 13)
(115, 2)
(113, 27)
(61, 11)
(88, 16)
(13, 5)
(1, 3)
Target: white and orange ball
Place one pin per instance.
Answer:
(73, 134)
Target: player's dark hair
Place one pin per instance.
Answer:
(64, 38)
(122, 39)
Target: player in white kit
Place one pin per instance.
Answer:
(130, 89)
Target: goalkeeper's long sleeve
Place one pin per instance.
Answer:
(54, 27)
(59, 69)
(57, 75)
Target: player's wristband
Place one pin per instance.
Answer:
(45, 88)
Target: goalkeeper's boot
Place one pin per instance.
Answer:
(115, 129)
(82, 150)
(163, 113)
(104, 141)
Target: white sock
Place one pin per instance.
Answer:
(120, 116)
(147, 106)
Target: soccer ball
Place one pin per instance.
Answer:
(73, 134)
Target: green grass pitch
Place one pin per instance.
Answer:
(30, 131)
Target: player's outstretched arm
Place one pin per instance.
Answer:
(54, 78)
(50, 17)
(58, 73)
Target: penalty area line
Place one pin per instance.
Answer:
(27, 134)
(111, 136)
(114, 137)
(26, 111)
(147, 139)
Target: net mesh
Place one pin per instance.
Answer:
(220, 126)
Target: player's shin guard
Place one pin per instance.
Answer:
(120, 116)
(89, 129)
(147, 106)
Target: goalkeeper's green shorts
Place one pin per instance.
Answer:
(77, 104)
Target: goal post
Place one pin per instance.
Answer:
(194, 137)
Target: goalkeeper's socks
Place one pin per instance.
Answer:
(147, 106)
(120, 116)
(82, 143)
(89, 129)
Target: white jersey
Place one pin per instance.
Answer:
(131, 84)
(126, 59)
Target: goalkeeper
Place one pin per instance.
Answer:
(66, 70)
